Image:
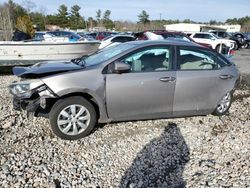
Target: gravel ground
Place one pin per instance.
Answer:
(204, 151)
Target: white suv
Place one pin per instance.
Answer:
(212, 39)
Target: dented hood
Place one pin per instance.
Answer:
(45, 69)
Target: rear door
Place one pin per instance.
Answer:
(200, 83)
(145, 92)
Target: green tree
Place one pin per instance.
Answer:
(16, 11)
(25, 25)
(232, 21)
(91, 22)
(108, 23)
(38, 20)
(143, 17)
(76, 20)
(213, 22)
(52, 19)
(98, 16)
(187, 21)
(63, 16)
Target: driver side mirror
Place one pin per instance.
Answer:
(120, 67)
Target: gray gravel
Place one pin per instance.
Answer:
(204, 151)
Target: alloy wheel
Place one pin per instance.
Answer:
(224, 104)
(73, 120)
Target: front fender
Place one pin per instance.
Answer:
(99, 99)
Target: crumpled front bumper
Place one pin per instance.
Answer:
(30, 106)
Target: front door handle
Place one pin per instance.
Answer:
(167, 79)
(226, 77)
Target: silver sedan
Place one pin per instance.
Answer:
(131, 81)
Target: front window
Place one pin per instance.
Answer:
(215, 36)
(199, 36)
(150, 60)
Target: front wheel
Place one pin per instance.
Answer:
(72, 118)
(223, 105)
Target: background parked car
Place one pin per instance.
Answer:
(86, 36)
(169, 34)
(71, 35)
(102, 35)
(116, 39)
(245, 42)
(212, 39)
(240, 39)
(39, 35)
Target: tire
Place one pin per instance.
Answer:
(236, 47)
(224, 104)
(244, 46)
(72, 118)
(217, 48)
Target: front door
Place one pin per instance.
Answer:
(145, 92)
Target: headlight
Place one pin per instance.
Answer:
(21, 90)
(24, 89)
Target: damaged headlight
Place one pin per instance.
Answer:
(24, 89)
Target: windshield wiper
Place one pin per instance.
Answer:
(80, 61)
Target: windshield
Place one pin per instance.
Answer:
(106, 53)
(215, 36)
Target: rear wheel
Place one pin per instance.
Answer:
(223, 105)
(72, 118)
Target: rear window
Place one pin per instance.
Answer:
(201, 36)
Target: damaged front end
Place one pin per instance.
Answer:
(32, 96)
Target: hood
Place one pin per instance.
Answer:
(45, 68)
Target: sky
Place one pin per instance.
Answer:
(197, 10)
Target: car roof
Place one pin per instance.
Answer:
(120, 35)
(169, 32)
(202, 33)
(162, 32)
(164, 42)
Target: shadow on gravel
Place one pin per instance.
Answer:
(160, 163)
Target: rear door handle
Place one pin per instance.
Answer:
(226, 77)
(167, 79)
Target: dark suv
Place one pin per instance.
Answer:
(240, 39)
